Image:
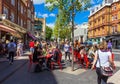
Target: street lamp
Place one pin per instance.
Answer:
(2, 16)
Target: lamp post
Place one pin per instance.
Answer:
(72, 36)
(58, 37)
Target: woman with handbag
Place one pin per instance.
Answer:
(102, 59)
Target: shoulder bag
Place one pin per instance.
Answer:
(105, 71)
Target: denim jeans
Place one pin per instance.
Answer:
(11, 56)
(67, 54)
(32, 49)
(101, 79)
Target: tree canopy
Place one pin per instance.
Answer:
(49, 33)
(65, 10)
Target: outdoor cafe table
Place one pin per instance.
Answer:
(46, 57)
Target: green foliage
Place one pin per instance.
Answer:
(49, 33)
(66, 10)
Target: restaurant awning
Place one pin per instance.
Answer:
(9, 30)
(32, 36)
(6, 29)
(14, 26)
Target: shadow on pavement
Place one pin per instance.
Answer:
(18, 73)
(110, 83)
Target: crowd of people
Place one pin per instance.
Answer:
(96, 56)
(10, 48)
(45, 52)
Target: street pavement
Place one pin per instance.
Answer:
(18, 73)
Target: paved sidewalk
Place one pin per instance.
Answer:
(115, 79)
(116, 50)
(17, 73)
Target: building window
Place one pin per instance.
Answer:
(12, 17)
(95, 21)
(29, 25)
(103, 17)
(29, 13)
(24, 10)
(114, 17)
(98, 20)
(18, 20)
(5, 11)
(114, 29)
(114, 8)
(105, 1)
(13, 2)
(24, 23)
(19, 6)
(21, 22)
(21, 9)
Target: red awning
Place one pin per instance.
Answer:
(32, 36)
(7, 29)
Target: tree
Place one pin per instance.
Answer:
(67, 12)
(49, 33)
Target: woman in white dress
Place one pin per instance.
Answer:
(20, 48)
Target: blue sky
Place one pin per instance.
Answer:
(41, 11)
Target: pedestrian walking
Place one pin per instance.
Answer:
(19, 48)
(11, 51)
(32, 45)
(109, 45)
(103, 58)
(67, 50)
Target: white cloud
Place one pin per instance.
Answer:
(52, 15)
(45, 15)
(39, 14)
(51, 25)
(48, 4)
(38, 1)
(42, 15)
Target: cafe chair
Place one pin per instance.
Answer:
(57, 62)
(86, 61)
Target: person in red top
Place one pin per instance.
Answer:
(32, 45)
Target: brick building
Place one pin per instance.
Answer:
(104, 22)
(19, 18)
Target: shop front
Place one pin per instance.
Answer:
(10, 30)
(115, 39)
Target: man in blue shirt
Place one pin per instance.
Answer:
(11, 50)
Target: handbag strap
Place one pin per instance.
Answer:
(99, 58)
